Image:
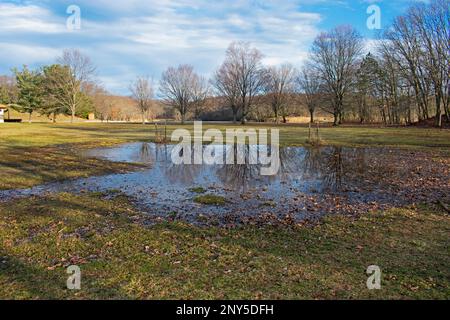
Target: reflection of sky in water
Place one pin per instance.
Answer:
(300, 167)
(164, 187)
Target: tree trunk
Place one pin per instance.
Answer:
(446, 102)
(243, 119)
(143, 117)
(438, 120)
(340, 118)
(72, 119)
(447, 115)
(337, 111)
(335, 116)
(244, 109)
(409, 121)
(311, 114)
(54, 117)
(446, 110)
(29, 117)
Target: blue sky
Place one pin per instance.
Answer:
(143, 37)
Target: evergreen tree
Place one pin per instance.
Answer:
(30, 91)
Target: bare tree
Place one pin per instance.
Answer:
(142, 91)
(81, 71)
(334, 55)
(102, 102)
(246, 72)
(309, 85)
(404, 48)
(429, 21)
(182, 89)
(226, 83)
(418, 43)
(200, 91)
(279, 86)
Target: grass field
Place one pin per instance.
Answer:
(36, 153)
(120, 257)
(39, 135)
(36, 117)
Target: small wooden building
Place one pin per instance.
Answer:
(3, 109)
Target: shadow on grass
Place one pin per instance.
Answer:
(26, 281)
(26, 167)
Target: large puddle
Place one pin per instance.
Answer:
(311, 182)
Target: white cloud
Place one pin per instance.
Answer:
(144, 37)
(30, 18)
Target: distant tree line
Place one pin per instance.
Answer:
(52, 90)
(67, 87)
(406, 78)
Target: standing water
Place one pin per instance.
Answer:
(310, 183)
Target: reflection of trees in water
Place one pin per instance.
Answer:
(180, 173)
(162, 153)
(174, 173)
(238, 176)
(291, 162)
(333, 167)
(145, 154)
(248, 174)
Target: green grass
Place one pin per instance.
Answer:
(198, 190)
(23, 167)
(36, 117)
(32, 154)
(211, 200)
(38, 135)
(121, 259)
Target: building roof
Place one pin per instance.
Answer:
(2, 106)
